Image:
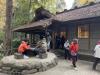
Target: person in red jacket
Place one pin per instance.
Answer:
(74, 47)
(25, 49)
(23, 46)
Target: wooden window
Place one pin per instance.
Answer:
(83, 31)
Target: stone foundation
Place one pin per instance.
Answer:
(13, 66)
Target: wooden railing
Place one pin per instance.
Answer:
(7, 52)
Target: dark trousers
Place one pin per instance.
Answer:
(74, 60)
(97, 60)
(30, 53)
(67, 54)
(58, 44)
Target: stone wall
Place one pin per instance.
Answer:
(13, 66)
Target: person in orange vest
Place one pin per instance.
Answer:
(74, 47)
(23, 46)
(25, 49)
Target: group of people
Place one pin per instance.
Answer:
(71, 51)
(59, 42)
(25, 49)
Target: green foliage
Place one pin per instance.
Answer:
(21, 12)
(1, 36)
(49, 5)
(24, 10)
(15, 43)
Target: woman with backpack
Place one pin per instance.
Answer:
(74, 47)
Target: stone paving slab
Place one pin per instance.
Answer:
(65, 68)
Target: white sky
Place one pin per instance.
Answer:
(69, 4)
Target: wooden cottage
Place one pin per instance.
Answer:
(82, 23)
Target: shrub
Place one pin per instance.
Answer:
(1, 41)
(16, 43)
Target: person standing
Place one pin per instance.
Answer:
(96, 55)
(74, 47)
(66, 48)
(58, 42)
(62, 42)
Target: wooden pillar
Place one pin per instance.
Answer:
(53, 40)
(31, 40)
(89, 37)
(25, 35)
(21, 36)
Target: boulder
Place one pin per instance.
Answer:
(30, 65)
(18, 56)
(42, 55)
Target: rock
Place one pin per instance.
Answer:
(43, 56)
(6, 68)
(4, 71)
(44, 67)
(56, 60)
(0, 65)
(39, 70)
(30, 65)
(18, 56)
(0, 70)
(44, 44)
(37, 66)
(29, 71)
(15, 72)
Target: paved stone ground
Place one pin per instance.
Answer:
(65, 68)
(2, 74)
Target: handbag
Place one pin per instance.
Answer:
(73, 53)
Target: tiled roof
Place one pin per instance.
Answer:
(80, 13)
(71, 15)
(32, 26)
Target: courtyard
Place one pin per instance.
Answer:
(64, 68)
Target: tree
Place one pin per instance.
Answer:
(7, 41)
(24, 11)
(80, 3)
(2, 13)
(60, 5)
(21, 12)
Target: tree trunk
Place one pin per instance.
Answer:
(7, 41)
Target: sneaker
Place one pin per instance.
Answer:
(76, 69)
(26, 57)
